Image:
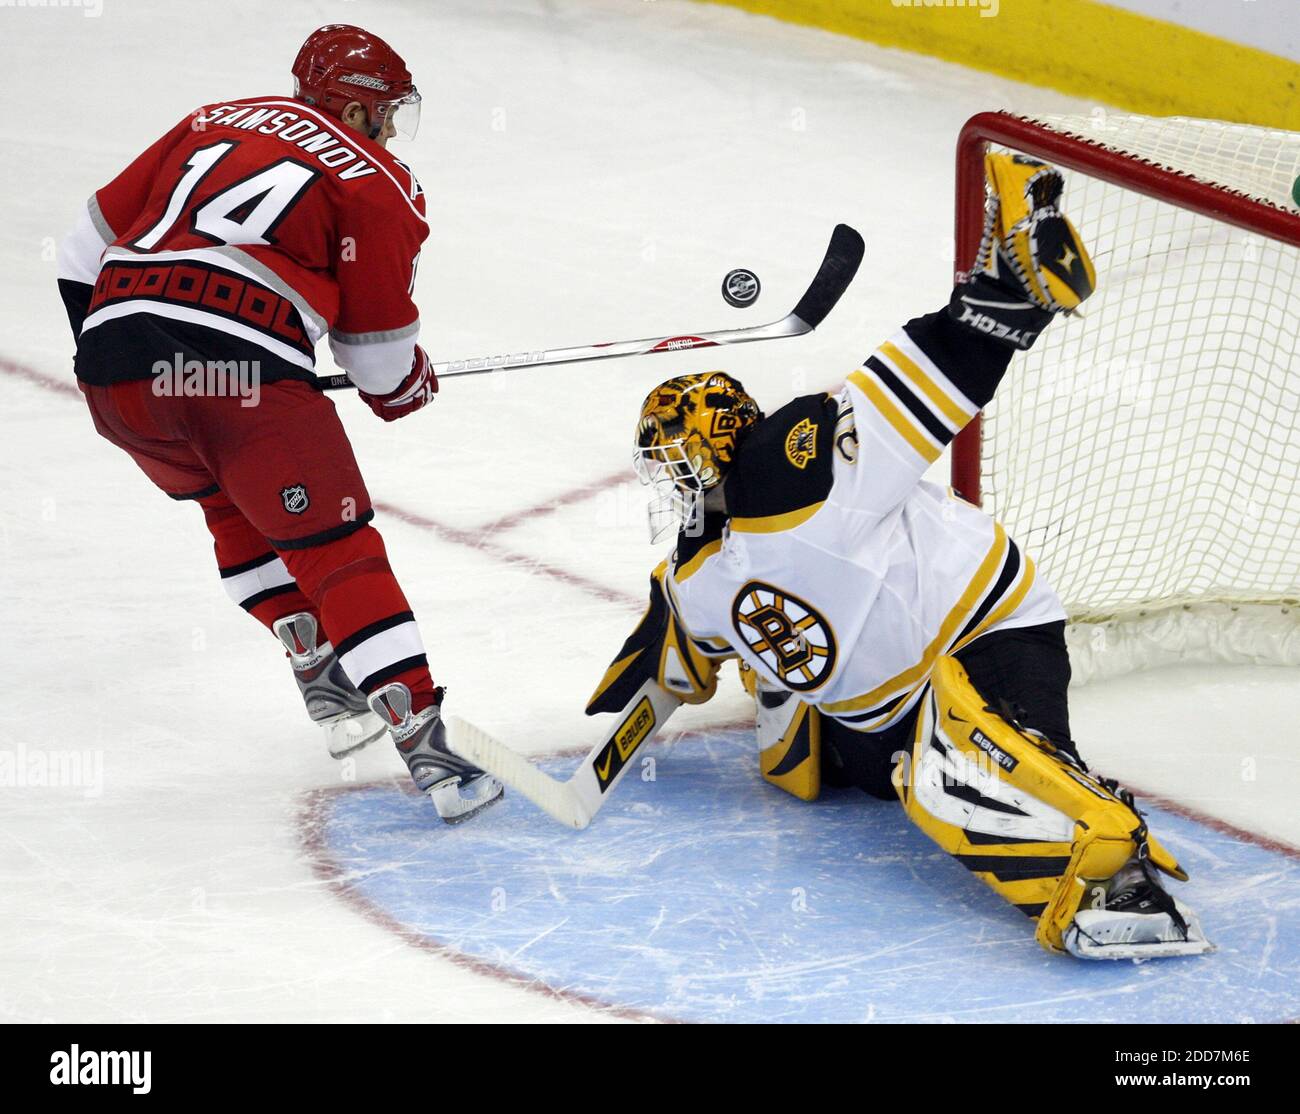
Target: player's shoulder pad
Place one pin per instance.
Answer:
(695, 548)
(380, 195)
(784, 467)
(406, 176)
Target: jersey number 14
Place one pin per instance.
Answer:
(246, 212)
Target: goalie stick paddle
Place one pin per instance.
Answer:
(575, 801)
(843, 257)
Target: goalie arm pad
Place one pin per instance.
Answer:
(906, 403)
(660, 649)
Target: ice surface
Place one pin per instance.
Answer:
(593, 169)
(703, 894)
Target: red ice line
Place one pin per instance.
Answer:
(335, 876)
(30, 375)
(479, 540)
(567, 499)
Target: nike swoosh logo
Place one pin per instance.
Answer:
(957, 719)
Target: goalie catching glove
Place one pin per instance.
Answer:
(414, 391)
(1031, 262)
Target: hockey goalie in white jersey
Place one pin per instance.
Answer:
(894, 637)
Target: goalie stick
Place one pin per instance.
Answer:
(843, 256)
(575, 801)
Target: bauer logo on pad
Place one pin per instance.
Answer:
(995, 752)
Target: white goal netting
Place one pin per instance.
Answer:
(1147, 451)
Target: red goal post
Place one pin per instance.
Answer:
(1146, 451)
(1088, 155)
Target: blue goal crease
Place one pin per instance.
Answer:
(707, 895)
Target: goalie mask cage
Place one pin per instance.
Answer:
(1146, 451)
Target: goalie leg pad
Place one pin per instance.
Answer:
(790, 737)
(1024, 818)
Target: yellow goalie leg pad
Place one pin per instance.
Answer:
(1024, 818)
(794, 761)
(790, 735)
(1024, 216)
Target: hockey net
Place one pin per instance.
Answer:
(1146, 452)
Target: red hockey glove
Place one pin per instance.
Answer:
(417, 389)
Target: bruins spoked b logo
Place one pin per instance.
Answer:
(789, 636)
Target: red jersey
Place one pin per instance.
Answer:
(248, 231)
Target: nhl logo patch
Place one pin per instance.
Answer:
(295, 498)
(801, 443)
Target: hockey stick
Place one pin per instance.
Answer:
(573, 802)
(843, 256)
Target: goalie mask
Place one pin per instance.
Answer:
(688, 435)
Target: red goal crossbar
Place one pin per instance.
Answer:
(1091, 157)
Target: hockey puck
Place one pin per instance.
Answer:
(740, 288)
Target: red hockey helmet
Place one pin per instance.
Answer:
(340, 63)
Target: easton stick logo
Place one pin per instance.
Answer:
(631, 733)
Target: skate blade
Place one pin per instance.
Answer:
(1154, 950)
(1100, 935)
(348, 735)
(457, 803)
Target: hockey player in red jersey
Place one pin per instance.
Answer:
(197, 283)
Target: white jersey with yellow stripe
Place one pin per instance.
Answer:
(840, 574)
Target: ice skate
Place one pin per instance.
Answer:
(332, 700)
(1134, 918)
(457, 788)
